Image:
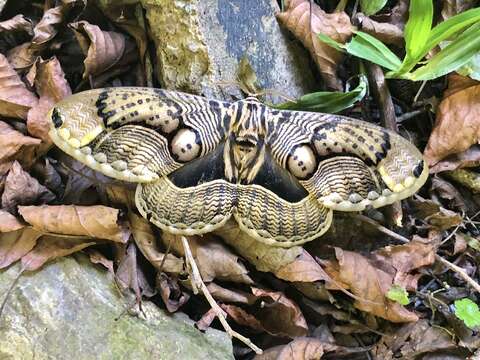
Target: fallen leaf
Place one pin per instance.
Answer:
(291, 264)
(97, 221)
(369, 284)
(279, 315)
(103, 49)
(447, 191)
(454, 7)
(23, 189)
(457, 125)
(305, 26)
(213, 258)
(11, 141)
(22, 56)
(15, 244)
(17, 23)
(96, 257)
(52, 87)
(204, 323)
(52, 247)
(15, 99)
(412, 340)
(467, 158)
(386, 32)
(8, 222)
(242, 317)
(435, 215)
(129, 275)
(172, 295)
(230, 295)
(147, 243)
(301, 348)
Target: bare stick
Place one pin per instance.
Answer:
(387, 112)
(461, 272)
(196, 278)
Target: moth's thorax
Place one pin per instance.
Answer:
(245, 144)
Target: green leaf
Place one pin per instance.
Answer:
(456, 54)
(467, 311)
(398, 294)
(417, 32)
(473, 243)
(369, 48)
(370, 7)
(329, 41)
(326, 101)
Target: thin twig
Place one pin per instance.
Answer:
(196, 278)
(461, 272)
(387, 113)
(410, 115)
(381, 228)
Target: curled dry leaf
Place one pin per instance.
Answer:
(8, 222)
(386, 32)
(47, 27)
(279, 315)
(103, 49)
(22, 56)
(15, 244)
(242, 317)
(369, 284)
(435, 215)
(446, 190)
(52, 86)
(52, 247)
(214, 259)
(467, 158)
(172, 295)
(23, 189)
(457, 126)
(15, 99)
(230, 295)
(12, 141)
(17, 23)
(305, 26)
(291, 264)
(98, 221)
(147, 243)
(301, 348)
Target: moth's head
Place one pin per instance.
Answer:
(74, 121)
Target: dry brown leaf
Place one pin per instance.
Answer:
(96, 257)
(204, 323)
(11, 141)
(22, 56)
(291, 264)
(172, 295)
(23, 189)
(17, 23)
(457, 126)
(8, 222)
(15, 244)
(435, 215)
(279, 315)
(301, 348)
(454, 7)
(97, 221)
(147, 243)
(403, 259)
(242, 317)
(52, 247)
(214, 259)
(386, 32)
(52, 87)
(103, 49)
(47, 27)
(129, 275)
(467, 158)
(369, 284)
(305, 26)
(230, 295)
(446, 190)
(15, 99)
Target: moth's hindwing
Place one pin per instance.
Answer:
(347, 164)
(136, 134)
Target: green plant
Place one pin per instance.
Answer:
(462, 29)
(328, 101)
(467, 311)
(398, 294)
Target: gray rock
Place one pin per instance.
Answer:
(68, 310)
(199, 44)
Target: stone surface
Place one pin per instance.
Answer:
(199, 44)
(68, 310)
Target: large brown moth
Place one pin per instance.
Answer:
(199, 162)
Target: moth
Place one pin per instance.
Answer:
(198, 162)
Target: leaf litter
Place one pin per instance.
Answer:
(356, 293)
